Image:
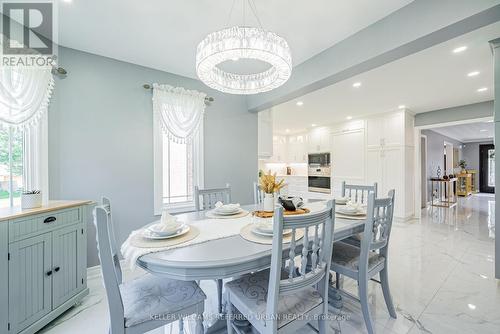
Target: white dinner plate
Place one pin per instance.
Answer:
(149, 235)
(226, 213)
(259, 232)
(351, 213)
(170, 231)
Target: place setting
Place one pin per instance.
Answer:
(168, 231)
(347, 209)
(261, 230)
(226, 211)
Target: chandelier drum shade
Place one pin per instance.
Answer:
(243, 43)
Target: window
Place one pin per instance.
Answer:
(178, 169)
(11, 166)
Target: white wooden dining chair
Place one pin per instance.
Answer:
(363, 263)
(205, 199)
(358, 193)
(277, 300)
(106, 203)
(145, 303)
(258, 194)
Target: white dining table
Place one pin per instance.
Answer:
(223, 258)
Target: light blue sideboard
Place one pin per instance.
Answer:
(44, 263)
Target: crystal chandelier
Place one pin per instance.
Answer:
(242, 42)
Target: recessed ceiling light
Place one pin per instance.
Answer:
(483, 130)
(490, 121)
(460, 49)
(471, 306)
(401, 106)
(483, 276)
(68, 1)
(313, 125)
(356, 84)
(473, 73)
(287, 130)
(299, 103)
(349, 117)
(483, 89)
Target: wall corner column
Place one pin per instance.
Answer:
(495, 47)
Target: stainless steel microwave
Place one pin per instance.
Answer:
(318, 159)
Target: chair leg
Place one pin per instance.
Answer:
(363, 297)
(337, 281)
(219, 294)
(384, 281)
(322, 324)
(181, 326)
(229, 315)
(199, 324)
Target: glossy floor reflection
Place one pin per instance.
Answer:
(441, 271)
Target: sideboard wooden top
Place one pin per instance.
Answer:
(17, 212)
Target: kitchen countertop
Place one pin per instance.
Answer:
(17, 212)
(291, 175)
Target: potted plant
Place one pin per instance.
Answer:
(31, 199)
(268, 184)
(462, 164)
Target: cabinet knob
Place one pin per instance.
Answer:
(56, 269)
(49, 220)
(49, 273)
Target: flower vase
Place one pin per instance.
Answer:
(269, 202)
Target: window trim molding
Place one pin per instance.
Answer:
(198, 175)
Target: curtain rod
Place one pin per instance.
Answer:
(207, 99)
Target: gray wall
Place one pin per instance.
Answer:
(101, 139)
(435, 154)
(470, 153)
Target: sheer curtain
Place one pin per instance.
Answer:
(24, 98)
(180, 111)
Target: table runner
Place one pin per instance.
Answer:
(210, 229)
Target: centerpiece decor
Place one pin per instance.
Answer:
(463, 165)
(269, 185)
(243, 42)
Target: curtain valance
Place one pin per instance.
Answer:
(24, 94)
(180, 111)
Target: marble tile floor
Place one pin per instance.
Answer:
(441, 273)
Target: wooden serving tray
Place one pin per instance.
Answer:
(265, 214)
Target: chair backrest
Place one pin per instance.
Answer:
(258, 194)
(378, 225)
(205, 199)
(106, 203)
(315, 255)
(358, 193)
(102, 221)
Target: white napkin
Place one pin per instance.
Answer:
(219, 206)
(168, 223)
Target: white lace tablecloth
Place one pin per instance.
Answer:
(210, 229)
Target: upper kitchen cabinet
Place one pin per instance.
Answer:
(319, 140)
(279, 149)
(297, 148)
(265, 134)
(386, 130)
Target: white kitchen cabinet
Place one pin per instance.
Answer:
(279, 149)
(389, 154)
(265, 134)
(319, 140)
(297, 148)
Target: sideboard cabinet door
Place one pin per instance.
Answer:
(67, 280)
(30, 280)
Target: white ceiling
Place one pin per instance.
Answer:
(432, 79)
(471, 132)
(164, 34)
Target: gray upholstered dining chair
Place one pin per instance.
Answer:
(363, 263)
(258, 194)
(211, 196)
(358, 193)
(208, 199)
(148, 302)
(277, 300)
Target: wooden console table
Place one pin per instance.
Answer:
(446, 196)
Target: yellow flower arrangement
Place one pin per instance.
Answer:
(268, 184)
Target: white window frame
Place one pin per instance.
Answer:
(198, 175)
